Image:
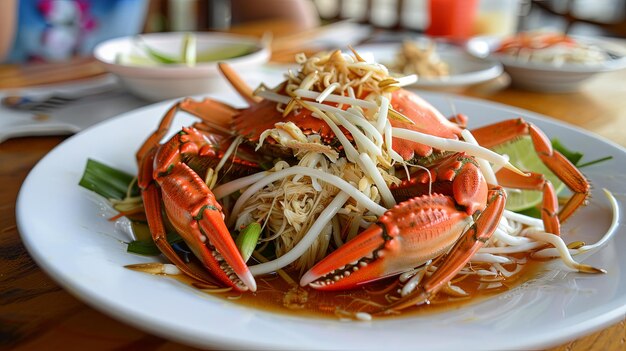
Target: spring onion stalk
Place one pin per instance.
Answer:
(309, 238)
(106, 181)
(323, 176)
(247, 240)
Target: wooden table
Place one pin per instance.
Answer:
(35, 313)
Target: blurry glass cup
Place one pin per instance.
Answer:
(497, 17)
(453, 19)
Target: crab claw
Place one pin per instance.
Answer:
(405, 237)
(225, 261)
(192, 210)
(197, 217)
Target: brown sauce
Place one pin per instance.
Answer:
(275, 295)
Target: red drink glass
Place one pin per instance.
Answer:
(453, 19)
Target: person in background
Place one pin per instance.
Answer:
(56, 30)
(7, 26)
(302, 12)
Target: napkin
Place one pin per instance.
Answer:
(73, 116)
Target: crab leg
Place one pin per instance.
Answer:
(471, 240)
(536, 181)
(498, 133)
(210, 111)
(236, 82)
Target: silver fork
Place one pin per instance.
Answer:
(45, 103)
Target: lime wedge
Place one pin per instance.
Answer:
(522, 155)
(225, 52)
(134, 60)
(154, 54)
(189, 50)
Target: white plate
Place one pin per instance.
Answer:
(465, 69)
(68, 236)
(546, 77)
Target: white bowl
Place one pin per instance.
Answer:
(546, 77)
(168, 81)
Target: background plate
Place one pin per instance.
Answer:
(465, 69)
(67, 234)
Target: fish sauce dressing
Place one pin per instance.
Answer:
(276, 295)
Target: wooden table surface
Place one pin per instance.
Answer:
(36, 313)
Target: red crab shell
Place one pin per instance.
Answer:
(261, 116)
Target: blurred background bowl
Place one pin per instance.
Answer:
(128, 59)
(547, 77)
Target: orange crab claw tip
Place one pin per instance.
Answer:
(248, 280)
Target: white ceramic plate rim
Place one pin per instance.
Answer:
(492, 41)
(492, 68)
(248, 325)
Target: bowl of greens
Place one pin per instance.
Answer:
(159, 66)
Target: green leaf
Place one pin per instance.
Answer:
(586, 164)
(106, 181)
(574, 156)
(143, 248)
(148, 247)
